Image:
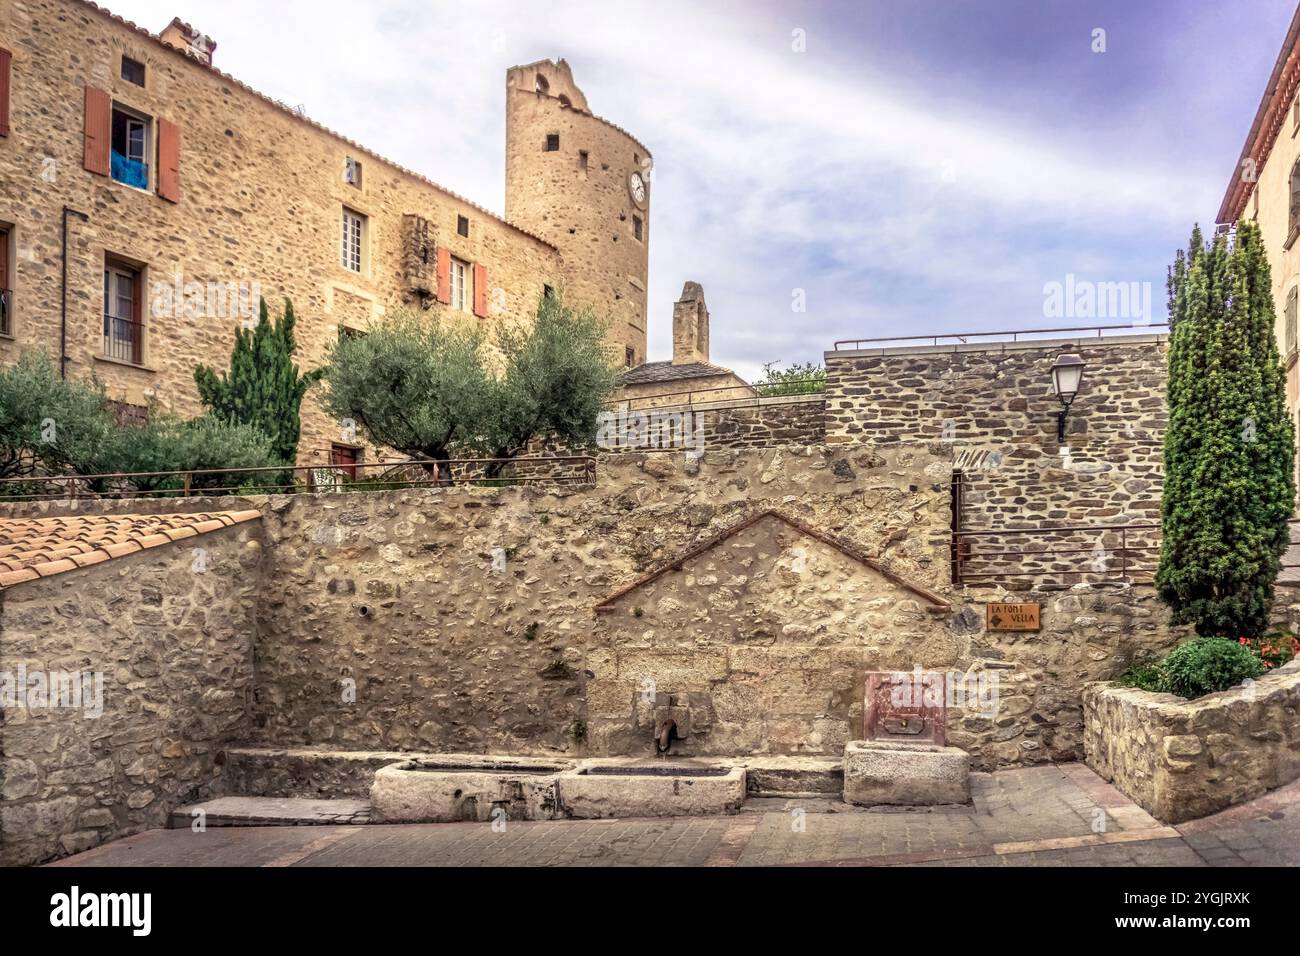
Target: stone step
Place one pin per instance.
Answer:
(271, 812)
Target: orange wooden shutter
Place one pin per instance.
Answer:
(137, 319)
(98, 131)
(480, 290)
(6, 59)
(169, 161)
(444, 275)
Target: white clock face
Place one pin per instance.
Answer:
(638, 187)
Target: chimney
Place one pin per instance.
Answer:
(181, 36)
(690, 326)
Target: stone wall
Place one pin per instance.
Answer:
(1183, 759)
(994, 405)
(174, 646)
(798, 420)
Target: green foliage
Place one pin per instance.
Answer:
(804, 378)
(1204, 665)
(556, 379)
(416, 384)
(1144, 675)
(422, 384)
(47, 422)
(263, 388)
(1229, 451)
(1275, 648)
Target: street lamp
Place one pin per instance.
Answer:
(1067, 373)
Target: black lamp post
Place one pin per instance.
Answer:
(1067, 373)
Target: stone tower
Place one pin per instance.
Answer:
(582, 184)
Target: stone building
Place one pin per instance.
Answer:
(146, 197)
(1264, 187)
(688, 378)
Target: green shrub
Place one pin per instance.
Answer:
(1204, 665)
(1144, 675)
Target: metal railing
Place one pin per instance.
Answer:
(791, 388)
(1016, 557)
(6, 311)
(306, 479)
(1011, 335)
(123, 339)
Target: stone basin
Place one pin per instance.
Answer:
(461, 787)
(601, 789)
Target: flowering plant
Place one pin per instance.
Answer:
(1273, 649)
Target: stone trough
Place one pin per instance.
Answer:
(467, 787)
(661, 789)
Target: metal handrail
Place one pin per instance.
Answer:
(1014, 333)
(441, 473)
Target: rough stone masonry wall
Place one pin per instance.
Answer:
(994, 404)
(1185, 759)
(762, 423)
(174, 646)
(397, 593)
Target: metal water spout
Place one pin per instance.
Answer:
(665, 736)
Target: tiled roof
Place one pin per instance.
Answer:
(33, 548)
(652, 372)
(104, 11)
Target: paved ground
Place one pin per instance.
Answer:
(1042, 816)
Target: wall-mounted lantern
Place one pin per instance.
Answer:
(1067, 373)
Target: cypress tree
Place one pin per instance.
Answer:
(1229, 448)
(263, 387)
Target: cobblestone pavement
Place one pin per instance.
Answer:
(1040, 816)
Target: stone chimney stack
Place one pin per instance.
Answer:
(690, 326)
(185, 38)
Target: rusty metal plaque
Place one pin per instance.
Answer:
(906, 706)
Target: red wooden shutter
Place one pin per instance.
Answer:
(444, 275)
(137, 320)
(169, 161)
(480, 290)
(6, 60)
(98, 131)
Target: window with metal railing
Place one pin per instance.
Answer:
(123, 326)
(6, 293)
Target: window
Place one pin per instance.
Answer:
(541, 85)
(1293, 220)
(552, 142)
(347, 332)
(629, 356)
(6, 292)
(637, 228)
(352, 172)
(129, 160)
(354, 232)
(132, 71)
(462, 226)
(565, 102)
(1289, 321)
(123, 329)
(548, 292)
(582, 160)
(460, 279)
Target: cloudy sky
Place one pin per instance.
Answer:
(913, 166)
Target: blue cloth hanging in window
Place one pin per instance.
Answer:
(130, 171)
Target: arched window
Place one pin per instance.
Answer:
(565, 102)
(542, 85)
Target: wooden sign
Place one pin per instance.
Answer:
(1012, 617)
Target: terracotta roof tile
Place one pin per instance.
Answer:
(33, 548)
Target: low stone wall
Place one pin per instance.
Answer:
(172, 641)
(1182, 759)
(788, 420)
